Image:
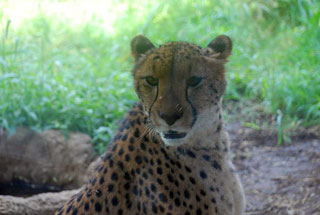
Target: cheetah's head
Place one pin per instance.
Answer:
(180, 85)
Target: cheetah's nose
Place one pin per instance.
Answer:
(170, 118)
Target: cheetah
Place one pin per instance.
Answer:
(170, 154)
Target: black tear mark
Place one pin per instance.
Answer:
(155, 99)
(193, 109)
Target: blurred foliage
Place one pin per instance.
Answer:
(66, 64)
(285, 12)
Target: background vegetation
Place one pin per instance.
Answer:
(66, 64)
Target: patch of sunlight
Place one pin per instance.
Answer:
(75, 12)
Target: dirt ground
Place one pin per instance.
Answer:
(277, 180)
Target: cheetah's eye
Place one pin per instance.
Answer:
(194, 81)
(151, 81)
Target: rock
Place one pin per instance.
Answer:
(46, 203)
(47, 158)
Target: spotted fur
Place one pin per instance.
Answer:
(170, 153)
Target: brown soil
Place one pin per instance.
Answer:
(277, 180)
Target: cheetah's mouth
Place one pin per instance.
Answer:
(174, 134)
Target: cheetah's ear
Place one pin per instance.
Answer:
(222, 46)
(139, 46)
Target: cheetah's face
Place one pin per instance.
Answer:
(180, 85)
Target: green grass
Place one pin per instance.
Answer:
(66, 69)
